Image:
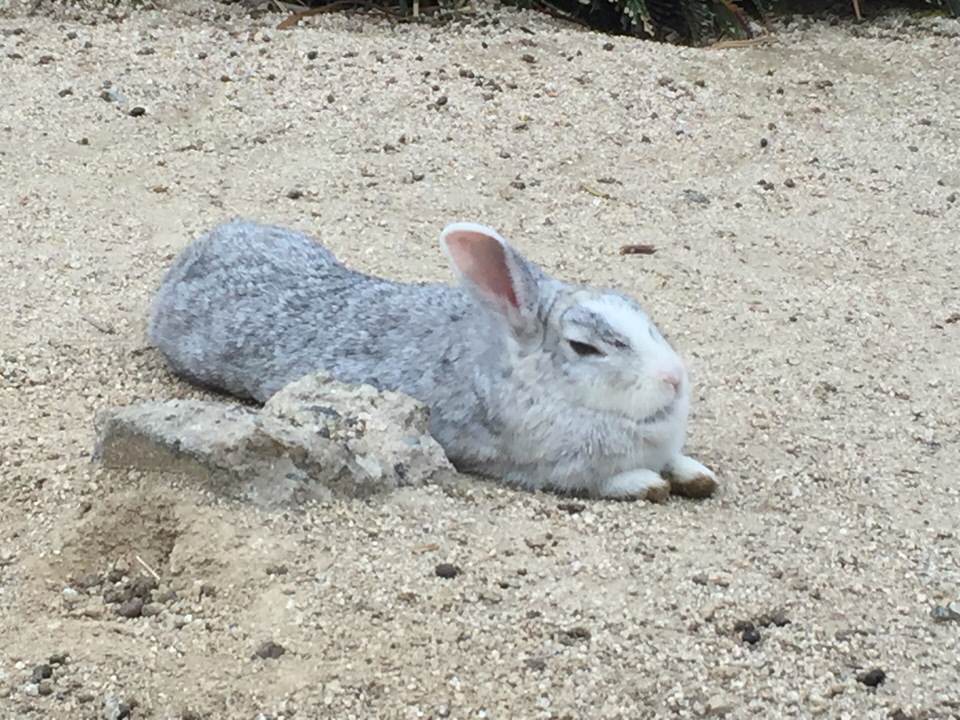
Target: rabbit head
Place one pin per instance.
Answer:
(605, 352)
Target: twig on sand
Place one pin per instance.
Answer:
(147, 568)
(596, 193)
(105, 329)
(429, 547)
(637, 250)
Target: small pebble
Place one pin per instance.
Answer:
(574, 635)
(152, 609)
(269, 651)
(749, 634)
(143, 587)
(137, 111)
(695, 196)
(132, 608)
(873, 677)
(538, 664)
(41, 672)
(447, 570)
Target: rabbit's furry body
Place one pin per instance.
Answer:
(248, 308)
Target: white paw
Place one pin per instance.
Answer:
(635, 485)
(689, 478)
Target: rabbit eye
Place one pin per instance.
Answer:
(583, 349)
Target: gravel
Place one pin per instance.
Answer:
(819, 318)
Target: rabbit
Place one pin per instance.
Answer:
(530, 380)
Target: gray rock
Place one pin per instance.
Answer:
(946, 613)
(315, 439)
(152, 609)
(116, 709)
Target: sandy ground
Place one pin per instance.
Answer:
(803, 199)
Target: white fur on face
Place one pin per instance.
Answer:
(630, 381)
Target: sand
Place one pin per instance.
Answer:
(803, 201)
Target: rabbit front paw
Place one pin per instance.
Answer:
(636, 485)
(689, 478)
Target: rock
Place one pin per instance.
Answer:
(41, 672)
(32, 689)
(142, 587)
(70, 596)
(152, 609)
(719, 706)
(116, 595)
(574, 635)
(536, 663)
(137, 111)
(116, 709)
(447, 571)
(695, 196)
(45, 687)
(315, 439)
(748, 632)
(132, 608)
(269, 651)
(873, 677)
(946, 613)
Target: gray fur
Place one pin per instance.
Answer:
(248, 308)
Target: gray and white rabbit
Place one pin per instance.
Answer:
(529, 379)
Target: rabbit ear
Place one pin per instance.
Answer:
(494, 272)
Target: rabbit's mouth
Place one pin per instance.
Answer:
(661, 414)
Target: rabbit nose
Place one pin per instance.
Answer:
(673, 379)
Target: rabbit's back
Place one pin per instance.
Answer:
(247, 308)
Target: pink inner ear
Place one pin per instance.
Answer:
(481, 259)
